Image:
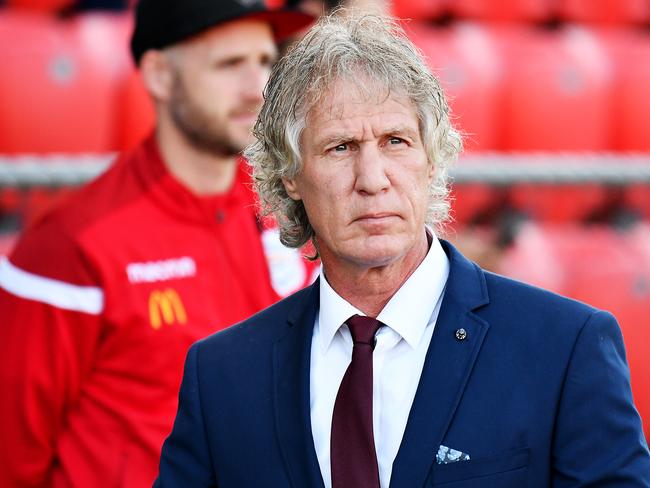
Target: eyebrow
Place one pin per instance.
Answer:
(334, 139)
(235, 58)
(340, 138)
(402, 130)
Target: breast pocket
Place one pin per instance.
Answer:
(503, 470)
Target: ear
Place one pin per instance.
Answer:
(431, 172)
(157, 74)
(291, 186)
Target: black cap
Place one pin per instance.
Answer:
(161, 23)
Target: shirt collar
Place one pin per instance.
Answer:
(333, 312)
(407, 312)
(179, 200)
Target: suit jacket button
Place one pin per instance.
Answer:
(461, 334)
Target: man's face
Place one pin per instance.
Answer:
(365, 177)
(218, 78)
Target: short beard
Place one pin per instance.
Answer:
(196, 125)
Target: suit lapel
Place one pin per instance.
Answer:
(291, 363)
(446, 370)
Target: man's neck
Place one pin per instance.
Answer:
(202, 172)
(370, 288)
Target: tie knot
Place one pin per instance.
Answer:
(363, 329)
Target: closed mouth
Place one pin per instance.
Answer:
(376, 216)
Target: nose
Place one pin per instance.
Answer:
(370, 167)
(253, 81)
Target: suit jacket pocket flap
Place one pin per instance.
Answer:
(494, 464)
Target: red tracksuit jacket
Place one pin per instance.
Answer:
(99, 303)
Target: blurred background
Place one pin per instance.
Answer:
(553, 97)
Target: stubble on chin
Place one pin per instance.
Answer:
(200, 128)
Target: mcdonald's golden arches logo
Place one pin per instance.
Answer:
(166, 307)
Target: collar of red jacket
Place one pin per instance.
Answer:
(176, 198)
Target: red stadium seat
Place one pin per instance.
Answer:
(472, 201)
(467, 62)
(637, 198)
(606, 11)
(39, 201)
(418, 9)
(558, 203)
(106, 38)
(10, 200)
(503, 10)
(136, 117)
(50, 6)
(58, 88)
(531, 258)
(557, 90)
(630, 52)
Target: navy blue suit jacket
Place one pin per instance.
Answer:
(538, 395)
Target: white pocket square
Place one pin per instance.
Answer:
(448, 455)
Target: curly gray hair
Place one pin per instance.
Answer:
(344, 46)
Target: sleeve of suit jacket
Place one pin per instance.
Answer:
(598, 437)
(185, 459)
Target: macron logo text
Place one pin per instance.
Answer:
(152, 271)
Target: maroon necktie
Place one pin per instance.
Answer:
(353, 457)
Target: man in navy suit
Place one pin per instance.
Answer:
(405, 364)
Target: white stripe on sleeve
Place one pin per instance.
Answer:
(87, 299)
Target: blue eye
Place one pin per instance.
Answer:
(395, 140)
(340, 148)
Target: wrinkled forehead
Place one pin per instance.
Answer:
(331, 100)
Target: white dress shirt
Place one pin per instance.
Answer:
(398, 358)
